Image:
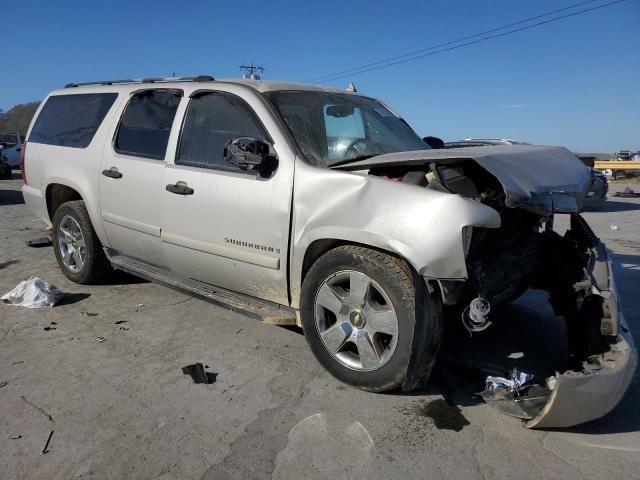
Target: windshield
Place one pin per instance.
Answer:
(335, 128)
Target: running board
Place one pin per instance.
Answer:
(252, 307)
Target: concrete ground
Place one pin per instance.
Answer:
(122, 408)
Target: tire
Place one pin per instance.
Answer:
(5, 171)
(94, 265)
(403, 360)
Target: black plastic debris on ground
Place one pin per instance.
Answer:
(40, 242)
(45, 450)
(198, 374)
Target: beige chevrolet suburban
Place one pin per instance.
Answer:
(307, 205)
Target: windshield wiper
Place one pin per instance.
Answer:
(351, 160)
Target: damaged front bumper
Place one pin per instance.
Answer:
(581, 396)
(589, 391)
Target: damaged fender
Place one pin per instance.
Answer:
(422, 226)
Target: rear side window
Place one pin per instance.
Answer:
(146, 123)
(212, 120)
(71, 120)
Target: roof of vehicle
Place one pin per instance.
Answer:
(177, 82)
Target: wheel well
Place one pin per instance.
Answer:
(322, 246)
(57, 194)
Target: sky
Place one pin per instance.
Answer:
(575, 82)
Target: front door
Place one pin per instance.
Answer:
(222, 225)
(132, 174)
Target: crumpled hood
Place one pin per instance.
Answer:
(542, 178)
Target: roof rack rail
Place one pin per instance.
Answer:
(197, 78)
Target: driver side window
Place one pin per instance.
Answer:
(212, 119)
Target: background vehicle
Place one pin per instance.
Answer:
(12, 143)
(624, 155)
(480, 142)
(190, 182)
(599, 183)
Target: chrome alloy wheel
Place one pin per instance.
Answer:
(71, 244)
(356, 320)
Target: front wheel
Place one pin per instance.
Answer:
(370, 320)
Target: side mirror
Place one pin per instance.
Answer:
(251, 155)
(434, 142)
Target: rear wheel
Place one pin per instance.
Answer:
(5, 171)
(76, 245)
(370, 320)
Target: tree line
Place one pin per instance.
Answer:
(18, 118)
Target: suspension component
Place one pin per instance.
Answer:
(475, 317)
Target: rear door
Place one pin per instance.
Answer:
(232, 230)
(132, 171)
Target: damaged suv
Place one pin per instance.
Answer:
(300, 204)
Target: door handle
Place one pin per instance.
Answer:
(180, 188)
(112, 173)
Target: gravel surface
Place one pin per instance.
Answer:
(123, 408)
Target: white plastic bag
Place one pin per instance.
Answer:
(33, 293)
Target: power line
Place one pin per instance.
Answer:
(469, 37)
(412, 56)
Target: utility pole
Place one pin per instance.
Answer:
(251, 71)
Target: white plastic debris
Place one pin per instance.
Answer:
(33, 293)
(615, 227)
(99, 339)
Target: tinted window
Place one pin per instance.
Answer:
(146, 123)
(211, 121)
(71, 120)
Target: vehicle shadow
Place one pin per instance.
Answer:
(118, 277)
(525, 335)
(71, 298)
(11, 197)
(614, 206)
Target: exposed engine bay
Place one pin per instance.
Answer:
(526, 252)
